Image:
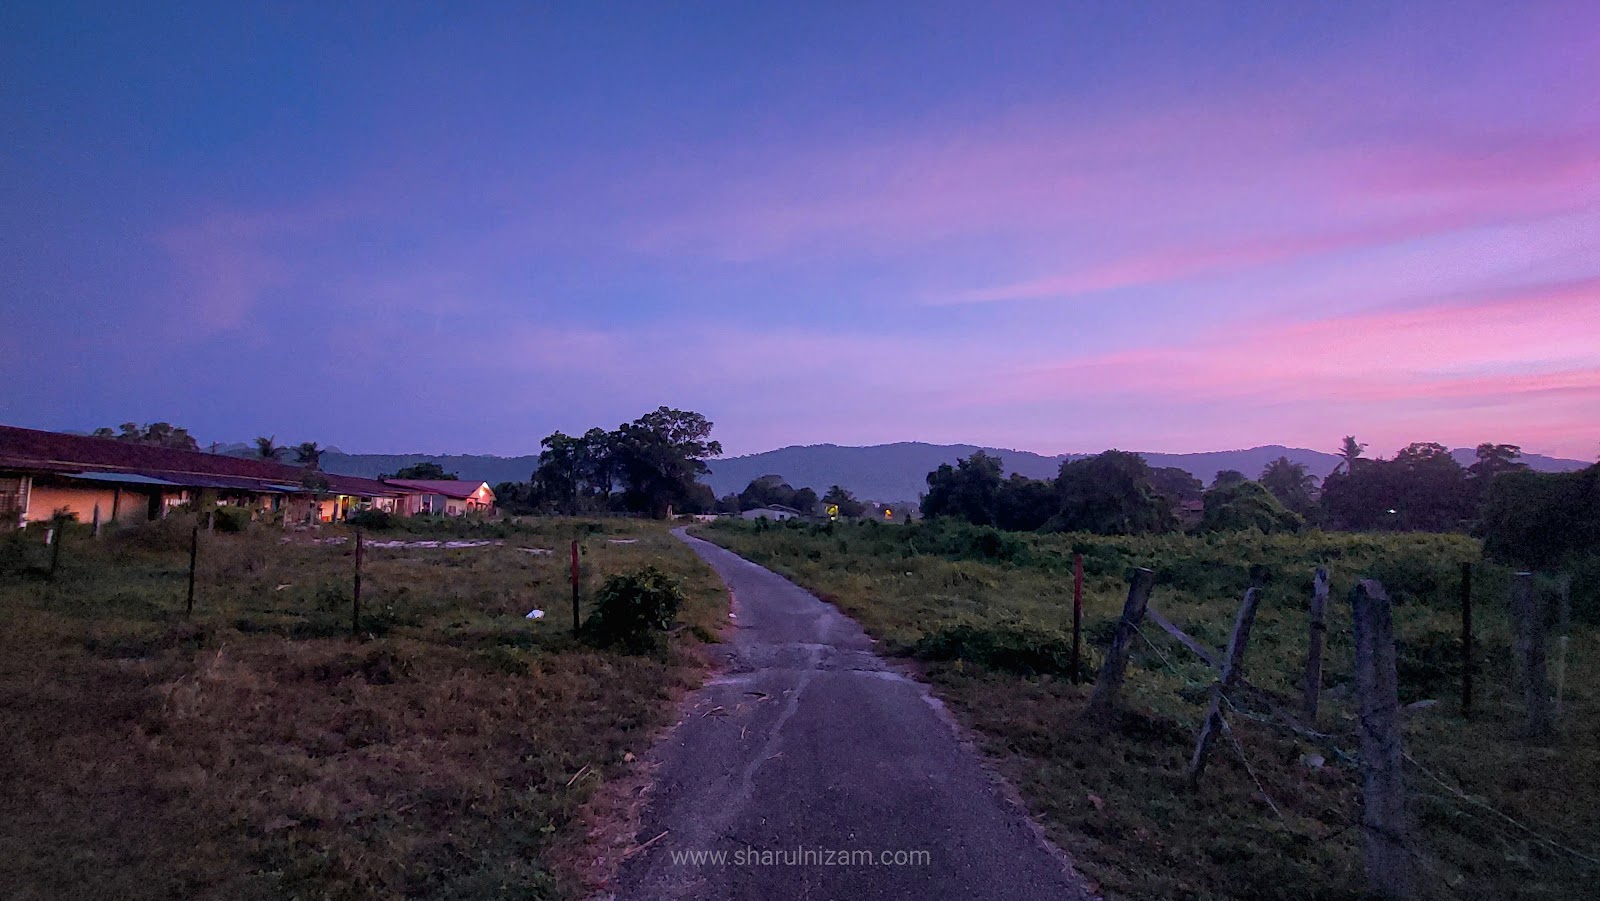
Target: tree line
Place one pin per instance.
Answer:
(1420, 488)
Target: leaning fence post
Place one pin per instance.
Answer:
(1531, 657)
(97, 520)
(1466, 640)
(1319, 627)
(355, 604)
(1384, 819)
(1103, 702)
(1077, 618)
(1232, 666)
(194, 557)
(56, 536)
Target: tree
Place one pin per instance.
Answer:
(268, 449)
(1239, 506)
(308, 454)
(772, 489)
(1349, 453)
(660, 456)
(1110, 494)
(426, 470)
(159, 434)
(849, 507)
(1494, 459)
(1025, 504)
(1422, 489)
(970, 490)
(1176, 483)
(1228, 477)
(560, 473)
(598, 464)
(1291, 484)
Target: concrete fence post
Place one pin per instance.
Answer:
(1385, 820)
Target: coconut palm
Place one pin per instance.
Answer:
(1349, 453)
(307, 453)
(268, 448)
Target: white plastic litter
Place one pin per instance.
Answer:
(537, 551)
(622, 540)
(535, 614)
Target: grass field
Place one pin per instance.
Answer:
(255, 750)
(990, 614)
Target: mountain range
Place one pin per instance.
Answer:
(881, 472)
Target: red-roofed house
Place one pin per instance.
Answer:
(452, 497)
(42, 473)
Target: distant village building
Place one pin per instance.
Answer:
(106, 479)
(773, 511)
(451, 497)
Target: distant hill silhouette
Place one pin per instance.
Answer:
(881, 472)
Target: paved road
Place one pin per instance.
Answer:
(809, 743)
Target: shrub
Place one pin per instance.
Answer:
(632, 609)
(232, 519)
(370, 519)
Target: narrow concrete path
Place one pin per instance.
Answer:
(812, 769)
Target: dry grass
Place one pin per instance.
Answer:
(1119, 803)
(256, 751)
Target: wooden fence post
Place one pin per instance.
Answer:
(97, 520)
(1319, 628)
(355, 604)
(1563, 640)
(1077, 618)
(1466, 640)
(194, 557)
(1385, 822)
(1232, 666)
(1531, 657)
(56, 536)
(1103, 701)
(575, 621)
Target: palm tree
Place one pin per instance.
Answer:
(1349, 453)
(308, 454)
(268, 448)
(1290, 483)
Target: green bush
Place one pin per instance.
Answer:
(370, 519)
(633, 609)
(233, 519)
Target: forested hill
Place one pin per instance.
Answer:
(883, 472)
(898, 472)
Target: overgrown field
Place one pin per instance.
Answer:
(255, 750)
(990, 613)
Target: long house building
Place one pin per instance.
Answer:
(106, 479)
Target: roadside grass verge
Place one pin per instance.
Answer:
(254, 750)
(989, 613)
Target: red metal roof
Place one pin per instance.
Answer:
(31, 450)
(457, 488)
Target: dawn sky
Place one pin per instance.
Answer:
(1052, 226)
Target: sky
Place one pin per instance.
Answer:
(1173, 226)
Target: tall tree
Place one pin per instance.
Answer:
(1291, 483)
(268, 449)
(308, 454)
(1494, 459)
(1349, 452)
(970, 490)
(426, 470)
(1110, 494)
(1176, 483)
(659, 457)
(1226, 477)
(560, 473)
(159, 434)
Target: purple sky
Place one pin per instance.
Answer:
(1164, 226)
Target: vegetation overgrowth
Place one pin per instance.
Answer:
(255, 750)
(990, 611)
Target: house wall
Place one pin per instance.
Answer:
(767, 514)
(45, 500)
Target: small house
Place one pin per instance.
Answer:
(449, 497)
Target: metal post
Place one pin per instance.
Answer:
(1077, 617)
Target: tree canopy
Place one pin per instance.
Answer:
(426, 470)
(160, 434)
(1238, 506)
